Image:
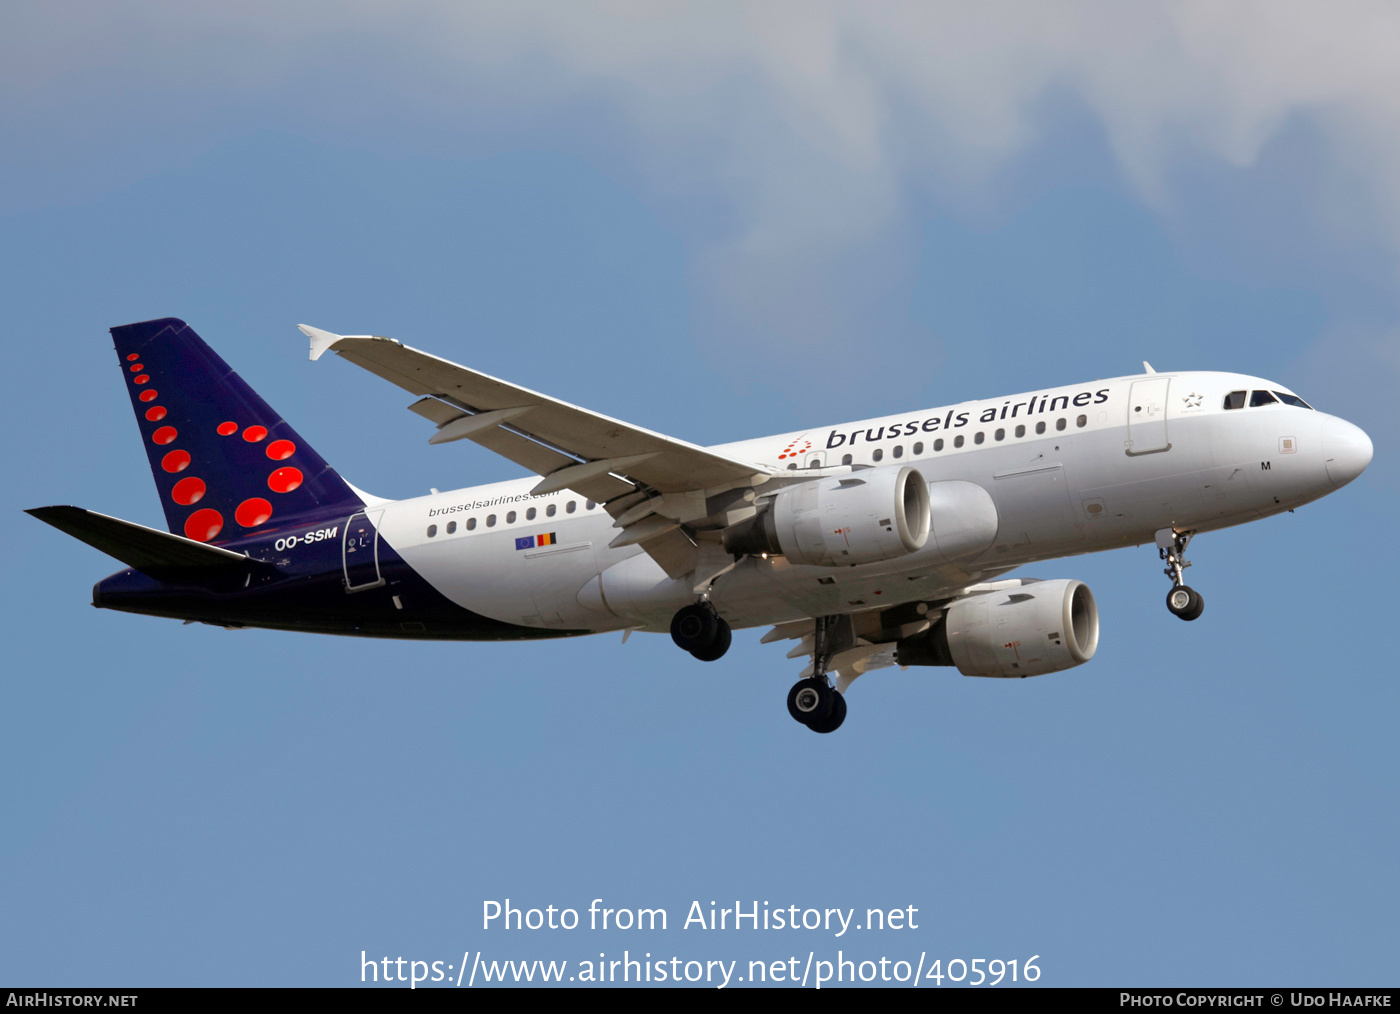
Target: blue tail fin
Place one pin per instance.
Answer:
(226, 465)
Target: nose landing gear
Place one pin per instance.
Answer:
(1184, 602)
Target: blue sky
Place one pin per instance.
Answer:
(716, 222)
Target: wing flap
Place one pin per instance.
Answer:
(674, 551)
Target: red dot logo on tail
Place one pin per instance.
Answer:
(175, 461)
(143, 379)
(254, 433)
(137, 368)
(284, 480)
(227, 429)
(281, 450)
(188, 491)
(253, 512)
(155, 413)
(165, 435)
(150, 395)
(204, 524)
(133, 357)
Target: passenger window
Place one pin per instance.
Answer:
(845, 459)
(899, 450)
(979, 438)
(432, 530)
(530, 514)
(490, 521)
(1040, 426)
(877, 455)
(451, 527)
(919, 447)
(1082, 421)
(792, 466)
(938, 444)
(958, 440)
(1020, 431)
(471, 524)
(1235, 399)
(570, 507)
(590, 505)
(549, 511)
(1000, 434)
(1261, 398)
(1059, 424)
(510, 518)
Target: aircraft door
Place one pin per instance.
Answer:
(360, 552)
(1147, 416)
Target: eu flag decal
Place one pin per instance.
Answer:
(528, 542)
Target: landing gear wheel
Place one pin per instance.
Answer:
(1197, 609)
(1185, 602)
(833, 721)
(811, 700)
(1182, 601)
(723, 637)
(695, 628)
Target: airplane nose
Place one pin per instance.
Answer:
(1346, 449)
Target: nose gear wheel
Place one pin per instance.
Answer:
(1182, 601)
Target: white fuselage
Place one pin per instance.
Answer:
(1071, 470)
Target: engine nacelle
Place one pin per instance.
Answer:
(863, 517)
(1036, 628)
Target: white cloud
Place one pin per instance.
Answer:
(810, 122)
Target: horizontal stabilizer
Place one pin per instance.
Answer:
(153, 552)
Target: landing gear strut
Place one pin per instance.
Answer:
(701, 631)
(1184, 602)
(814, 701)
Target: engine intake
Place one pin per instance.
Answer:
(1039, 627)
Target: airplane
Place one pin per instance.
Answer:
(870, 544)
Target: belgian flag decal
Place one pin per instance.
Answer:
(532, 541)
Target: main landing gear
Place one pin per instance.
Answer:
(1184, 602)
(701, 631)
(816, 704)
(814, 701)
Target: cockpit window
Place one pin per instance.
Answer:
(1235, 399)
(1293, 399)
(1261, 398)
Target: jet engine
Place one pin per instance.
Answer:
(1027, 630)
(862, 517)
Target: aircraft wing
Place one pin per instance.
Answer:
(600, 458)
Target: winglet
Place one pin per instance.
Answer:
(320, 340)
(1147, 367)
